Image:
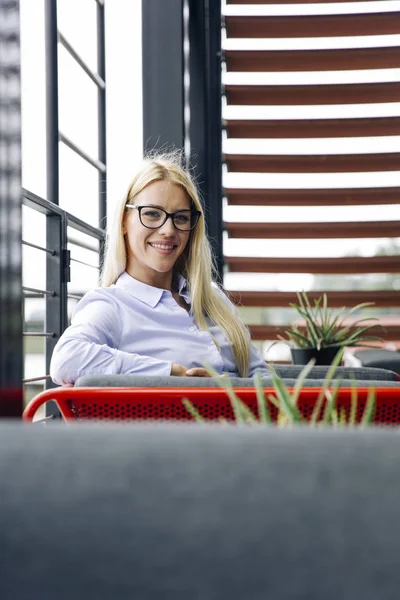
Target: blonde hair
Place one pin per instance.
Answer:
(195, 263)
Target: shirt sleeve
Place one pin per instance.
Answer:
(89, 345)
(256, 361)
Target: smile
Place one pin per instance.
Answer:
(163, 247)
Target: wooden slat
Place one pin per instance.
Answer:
(364, 229)
(306, 95)
(270, 332)
(313, 128)
(342, 265)
(312, 60)
(298, 26)
(317, 163)
(336, 299)
(292, 1)
(318, 197)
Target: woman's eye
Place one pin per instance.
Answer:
(182, 218)
(152, 214)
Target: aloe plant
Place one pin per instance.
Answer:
(324, 329)
(285, 400)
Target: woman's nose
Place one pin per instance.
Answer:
(168, 226)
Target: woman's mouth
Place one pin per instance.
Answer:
(163, 248)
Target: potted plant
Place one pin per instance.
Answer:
(326, 410)
(325, 332)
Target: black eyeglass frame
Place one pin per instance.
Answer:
(194, 213)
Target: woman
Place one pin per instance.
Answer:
(157, 311)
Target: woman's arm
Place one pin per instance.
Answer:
(90, 345)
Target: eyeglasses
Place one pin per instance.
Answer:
(153, 217)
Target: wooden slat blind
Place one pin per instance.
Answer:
(315, 128)
(349, 229)
(348, 264)
(289, 2)
(309, 95)
(268, 332)
(371, 91)
(319, 163)
(315, 197)
(382, 298)
(312, 25)
(312, 60)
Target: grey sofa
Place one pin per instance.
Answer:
(365, 377)
(198, 512)
(379, 357)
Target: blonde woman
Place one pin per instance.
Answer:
(157, 311)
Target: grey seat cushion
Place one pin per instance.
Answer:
(384, 359)
(287, 372)
(198, 512)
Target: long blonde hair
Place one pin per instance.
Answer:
(195, 263)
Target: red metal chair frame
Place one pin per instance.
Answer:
(140, 404)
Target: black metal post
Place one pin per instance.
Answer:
(205, 128)
(10, 213)
(163, 97)
(52, 158)
(56, 305)
(101, 69)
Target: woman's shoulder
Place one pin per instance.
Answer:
(100, 295)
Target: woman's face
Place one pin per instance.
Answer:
(152, 253)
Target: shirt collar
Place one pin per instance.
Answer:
(147, 293)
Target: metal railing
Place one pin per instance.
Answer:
(58, 219)
(57, 246)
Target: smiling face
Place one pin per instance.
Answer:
(152, 253)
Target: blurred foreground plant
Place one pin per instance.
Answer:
(325, 412)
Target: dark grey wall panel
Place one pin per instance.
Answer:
(10, 213)
(163, 102)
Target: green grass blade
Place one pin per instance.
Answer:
(193, 411)
(369, 411)
(283, 395)
(300, 381)
(331, 402)
(263, 410)
(354, 402)
(342, 417)
(327, 381)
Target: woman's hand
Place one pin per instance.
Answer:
(198, 372)
(178, 370)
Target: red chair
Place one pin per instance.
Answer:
(165, 404)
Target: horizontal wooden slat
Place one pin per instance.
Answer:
(318, 197)
(299, 26)
(336, 299)
(312, 60)
(342, 265)
(292, 1)
(317, 163)
(364, 229)
(270, 332)
(313, 128)
(306, 95)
